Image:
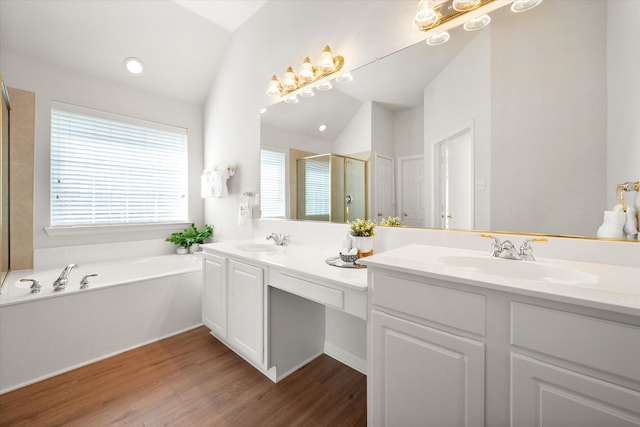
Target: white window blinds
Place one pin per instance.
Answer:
(110, 169)
(272, 184)
(317, 187)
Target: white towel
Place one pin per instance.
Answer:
(206, 184)
(613, 225)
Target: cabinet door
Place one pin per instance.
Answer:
(546, 395)
(422, 376)
(214, 301)
(246, 310)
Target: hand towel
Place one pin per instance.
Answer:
(613, 225)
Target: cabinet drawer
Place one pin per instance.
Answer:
(458, 309)
(306, 289)
(589, 341)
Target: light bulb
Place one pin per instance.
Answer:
(524, 5)
(477, 23)
(289, 80)
(291, 99)
(274, 86)
(306, 73)
(327, 64)
(322, 128)
(426, 17)
(263, 110)
(463, 5)
(439, 38)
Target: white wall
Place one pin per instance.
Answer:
(408, 132)
(356, 135)
(49, 83)
(574, 197)
(623, 129)
(275, 137)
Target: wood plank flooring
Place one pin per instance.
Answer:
(189, 380)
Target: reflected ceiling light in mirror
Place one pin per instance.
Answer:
(263, 110)
(324, 86)
(309, 75)
(322, 128)
(291, 99)
(307, 93)
(524, 5)
(471, 14)
(344, 78)
(439, 38)
(478, 23)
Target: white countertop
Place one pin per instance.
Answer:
(602, 286)
(300, 259)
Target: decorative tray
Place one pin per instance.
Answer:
(337, 262)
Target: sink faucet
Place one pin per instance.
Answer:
(279, 239)
(61, 281)
(507, 249)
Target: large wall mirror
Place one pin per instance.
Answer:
(525, 126)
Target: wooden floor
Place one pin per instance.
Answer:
(189, 380)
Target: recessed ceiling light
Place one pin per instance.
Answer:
(322, 128)
(134, 66)
(263, 110)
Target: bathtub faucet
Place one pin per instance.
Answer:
(61, 281)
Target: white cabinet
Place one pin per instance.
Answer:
(233, 306)
(424, 371)
(424, 376)
(214, 301)
(246, 310)
(547, 395)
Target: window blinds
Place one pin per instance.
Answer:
(317, 187)
(272, 184)
(108, 169)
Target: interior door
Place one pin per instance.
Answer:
(454, 181)
(384, 188)
(412, 191)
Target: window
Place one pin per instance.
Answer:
(110, 169)
(317, 187)
(272, 184)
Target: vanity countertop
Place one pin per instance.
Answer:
(602, 286)
(304, 260)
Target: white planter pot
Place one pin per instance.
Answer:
(364, 245)
(182, 251)
(194, 248)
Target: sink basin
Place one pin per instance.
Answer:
(257, 247)
(521, 270)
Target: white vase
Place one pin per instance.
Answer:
(364, 245)
(194, 248)
(182, 250)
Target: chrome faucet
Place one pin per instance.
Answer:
(61, 281)
(279, 239)
(35, 285)
(507, 249)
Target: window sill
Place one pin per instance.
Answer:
(79, 230)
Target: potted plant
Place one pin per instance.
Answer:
(190, 238)
(392, 221)
(362, 231)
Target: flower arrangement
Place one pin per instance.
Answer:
(392, 221)
(362, 228)
(190, 236)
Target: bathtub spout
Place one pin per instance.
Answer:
(61, 281)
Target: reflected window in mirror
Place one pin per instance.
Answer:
(273, 187)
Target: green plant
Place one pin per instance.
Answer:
(362, 228)
(190, 236)
(392, 221)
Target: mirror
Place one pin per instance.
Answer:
(525, 126)
(4, 183)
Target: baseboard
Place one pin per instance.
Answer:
(94, 360)
(349, 359)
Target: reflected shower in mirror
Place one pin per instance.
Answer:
(525, 126)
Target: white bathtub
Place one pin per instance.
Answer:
(130, 303)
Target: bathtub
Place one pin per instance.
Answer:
(128, 304)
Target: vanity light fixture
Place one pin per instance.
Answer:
(436, 17)
(310, 76)
(134, 65)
